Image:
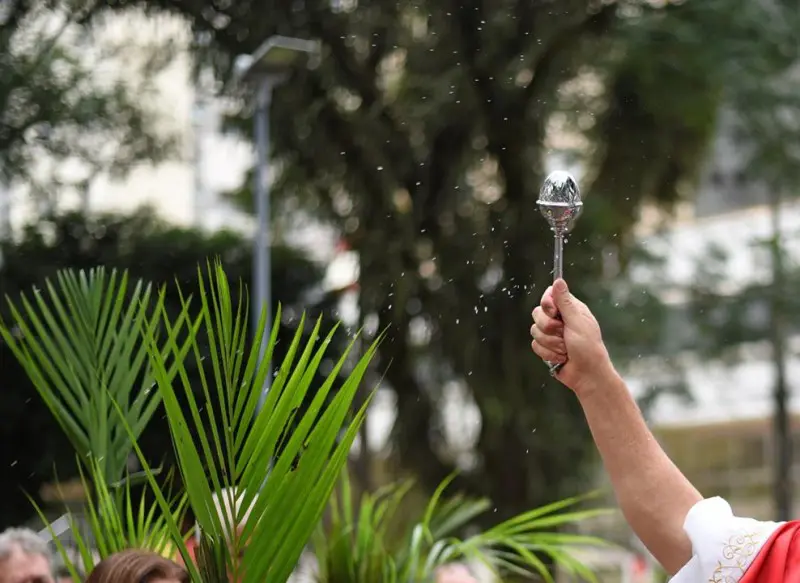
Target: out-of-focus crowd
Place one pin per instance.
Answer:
(27, 558)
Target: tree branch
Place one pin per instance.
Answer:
(469, 15)
(439, 175)
(329, 29)
(553, 66)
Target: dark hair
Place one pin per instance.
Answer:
(136, 566)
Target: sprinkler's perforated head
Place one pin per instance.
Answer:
(560, 201)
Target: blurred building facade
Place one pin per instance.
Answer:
(187, 188)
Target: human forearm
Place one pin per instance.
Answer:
(655, 497)
(653, 494)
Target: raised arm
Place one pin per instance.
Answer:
(655, 497)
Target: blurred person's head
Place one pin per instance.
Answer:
(454, 573)
(137, 566)
(24, 557)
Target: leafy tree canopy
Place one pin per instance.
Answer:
(77, 94)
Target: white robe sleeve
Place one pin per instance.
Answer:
(723, 545)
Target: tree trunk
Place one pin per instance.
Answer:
(781, 422)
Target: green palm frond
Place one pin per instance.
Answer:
(80, 340)
(94, 355)
(355, 544)
(277, 464)
(358, 546)
(103, 357)
(213, 560)
(116, 520)
(519, 544)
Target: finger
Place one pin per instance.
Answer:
(548, 303)
(547, 324)
(554, 343)
(546, 354)
(567, 305)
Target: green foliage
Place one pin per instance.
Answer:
(80, 342)
(146, 249)
(722, 322)
(225, 442)
(231, 461)
(376, 541)
(671, 75)
(118, 520)
(54, 106)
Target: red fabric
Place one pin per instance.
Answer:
(778, 561)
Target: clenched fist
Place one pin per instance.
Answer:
(565, 331)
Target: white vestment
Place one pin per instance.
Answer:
(723, 545)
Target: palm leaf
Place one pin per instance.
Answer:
(80, 342)
(519, 544)
(278, 464)
(356, 545)
(116, 520)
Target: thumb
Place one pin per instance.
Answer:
(565, 302)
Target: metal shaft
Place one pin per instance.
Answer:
(558, 273)
(262, 293)
(558, 258)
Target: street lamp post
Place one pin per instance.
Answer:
(265, 69)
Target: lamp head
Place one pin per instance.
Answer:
(560, 202)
